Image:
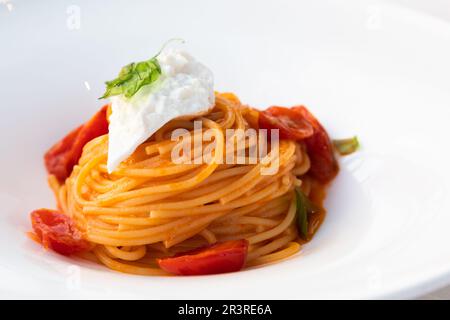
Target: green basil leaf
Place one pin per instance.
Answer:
(302, 214)
(133, 77)
(346, 146)
(304, 208)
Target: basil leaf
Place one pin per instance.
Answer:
(133, 77)
(346, 146)
(304, 208)
(302, 214)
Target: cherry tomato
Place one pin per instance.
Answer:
(222, 257)
(62, 157)
(324, 166)
(57, 232)
(291, 124)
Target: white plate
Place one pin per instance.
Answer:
(364, 67)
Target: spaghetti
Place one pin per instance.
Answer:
(150, 208)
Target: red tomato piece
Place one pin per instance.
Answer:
(222, 257)
(58, 158)
(324, 166)
(57, 232)
(292, 125)
(62, 157)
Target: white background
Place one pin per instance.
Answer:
(440, 9)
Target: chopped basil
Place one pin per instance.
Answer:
(346, 146)
(132, 77)
(304, 208)
(302, 215)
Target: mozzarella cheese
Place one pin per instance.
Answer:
(185, 87)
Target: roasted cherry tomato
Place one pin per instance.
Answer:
(222, 257)
(292, 125)
(61, 158)
(57, 232)
(324, 166)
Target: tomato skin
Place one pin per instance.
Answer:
(58, 160)
(64, 155)
(292, 125)
(324, 166)
(222, 257)
(297, 123)
(57, 232)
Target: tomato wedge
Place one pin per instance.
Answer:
(62, 157)
(292, 125)
(57, 232)
(222, 257)
(324, 166)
